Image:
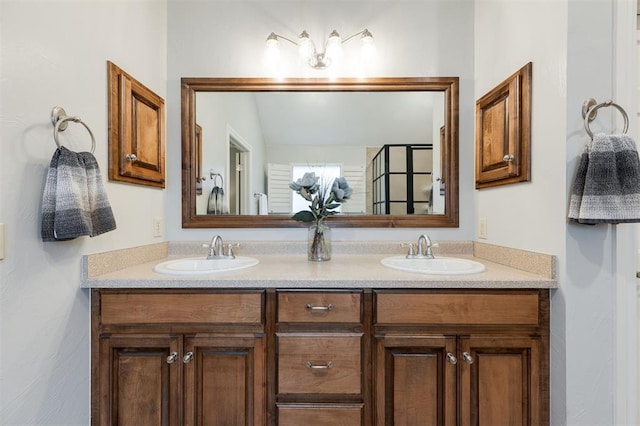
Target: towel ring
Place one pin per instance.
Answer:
(589, 112)
(60, 119)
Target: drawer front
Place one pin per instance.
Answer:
(319, 307)
(458, 308)
(319, 363)
(319, 415)
(177, 308)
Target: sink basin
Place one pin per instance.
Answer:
(202, 265)
(437, 266)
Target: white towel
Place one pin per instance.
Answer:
(74, 202)
(263, 207)
(606, 188)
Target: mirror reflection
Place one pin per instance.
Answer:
(246, 140)
(386, 144)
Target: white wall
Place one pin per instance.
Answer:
(55, 53)
(226, 39)
(570, 44)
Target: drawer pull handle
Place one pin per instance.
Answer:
(451, 358)
(172, 357)
(312, 308)
(313, 366)
(187, 357)
(467, 357)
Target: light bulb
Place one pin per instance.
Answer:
(272, 52)
(334, 46)
(305, 49)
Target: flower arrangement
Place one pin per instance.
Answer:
(324, 197)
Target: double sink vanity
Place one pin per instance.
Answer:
(363, 339)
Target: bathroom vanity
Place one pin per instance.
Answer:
(289, 342)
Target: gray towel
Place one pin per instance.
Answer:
(74, 202)
(606, 188)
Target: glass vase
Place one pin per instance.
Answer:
(319, 243)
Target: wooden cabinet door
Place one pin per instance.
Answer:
(500, 381)
(224, 380)
(415, 380)
(139, 380)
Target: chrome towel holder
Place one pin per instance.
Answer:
(590, 109)
(60, 119)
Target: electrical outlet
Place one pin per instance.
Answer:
(482, 228)
(157, 227)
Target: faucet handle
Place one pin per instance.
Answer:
(412, 251)
(230, 247)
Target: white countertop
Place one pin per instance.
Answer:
(295, 271)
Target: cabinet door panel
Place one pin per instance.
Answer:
(224, 381)
(138, 386)
(415, 382)
(502, 384)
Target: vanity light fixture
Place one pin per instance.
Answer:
(307, 51)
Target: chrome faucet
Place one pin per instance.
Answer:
(424, 247)
(216, 248)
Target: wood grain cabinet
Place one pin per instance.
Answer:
(320, 358)
(352, 357)
(462, 358)
(174, 358)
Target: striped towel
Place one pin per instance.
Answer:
(606, 188)
(74, 202)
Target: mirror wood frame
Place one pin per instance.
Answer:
(191, 86)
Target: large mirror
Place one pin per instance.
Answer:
(244, 140)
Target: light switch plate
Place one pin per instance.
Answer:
(482, 228)
(157, 227)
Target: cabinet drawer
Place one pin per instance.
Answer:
(320, 363)
(319, 415)
(518, 308)
(315, 307)
(181, 308)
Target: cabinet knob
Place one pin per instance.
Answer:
(467, 357)
(508, 158)
(325, 366)
(172, 357)
(187, 357)
(312, 308)
(451, 358)
(131, 157)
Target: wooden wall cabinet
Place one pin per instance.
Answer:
(352, 357)
(503, 132)
(136, 131)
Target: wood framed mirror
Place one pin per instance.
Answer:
(387, 102)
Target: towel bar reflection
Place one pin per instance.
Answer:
(590, 111)
(59, 119)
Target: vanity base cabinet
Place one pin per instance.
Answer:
(435, 367)
(180, 368)
(352, 357)
(321, 358)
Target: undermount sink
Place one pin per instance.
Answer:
(202, 265)
(437, 266)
